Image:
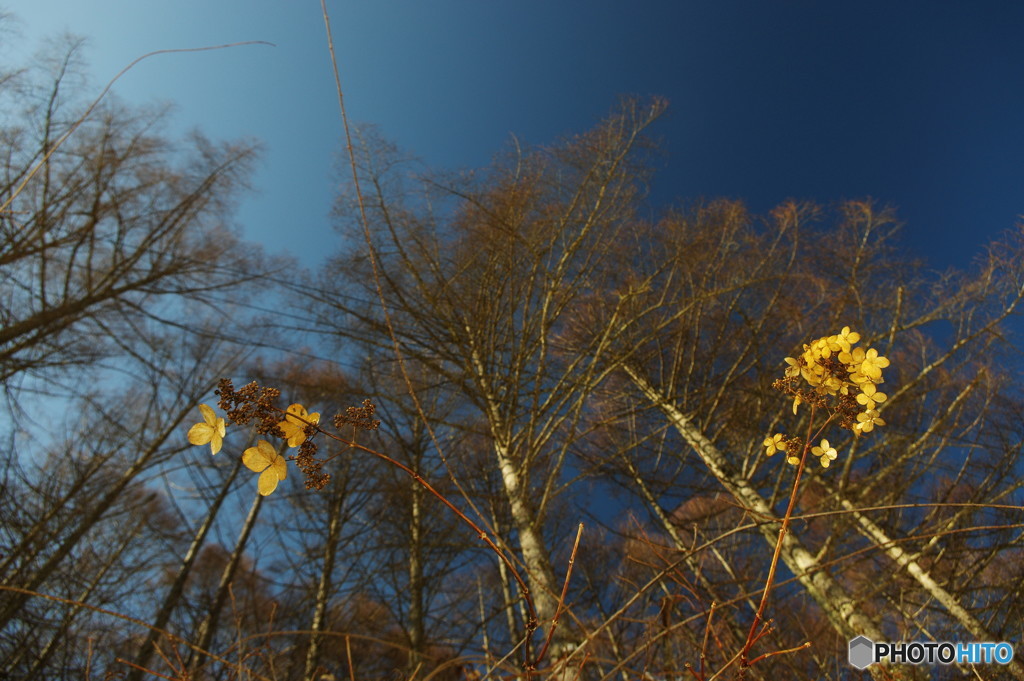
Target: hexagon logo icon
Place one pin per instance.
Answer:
(862, 651)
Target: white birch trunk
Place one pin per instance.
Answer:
(843, 611)
(876, 534)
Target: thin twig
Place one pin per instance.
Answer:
(803, 646)
(81, 119)
(348, 655)
(704, 645)
(561, 598)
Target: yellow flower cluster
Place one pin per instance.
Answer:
(825, 452)
(271, 466)
(833, 367)
(211, 430)
(265, 460)
(262, 458)
(776, 443)
(294, 424)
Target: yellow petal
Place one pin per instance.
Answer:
(267, 482)
(298, 410)
(294, 433)
(280, 467)
(209, 415)
(260, 457)
(200, 434)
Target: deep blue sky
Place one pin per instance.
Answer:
(917, 104)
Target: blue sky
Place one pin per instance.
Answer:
(916, 104)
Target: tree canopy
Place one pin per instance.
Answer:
(489, 360)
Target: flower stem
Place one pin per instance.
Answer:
(758, 616)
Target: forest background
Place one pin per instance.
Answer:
(583, 339)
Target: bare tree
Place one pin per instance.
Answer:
(707, 374)
(484, 298)
(104, 233)
(118, 262)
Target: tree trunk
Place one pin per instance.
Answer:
(208, 627)
(539, 573)
(876, 534)
(842, 610)
(178, 586)
(323, 589)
